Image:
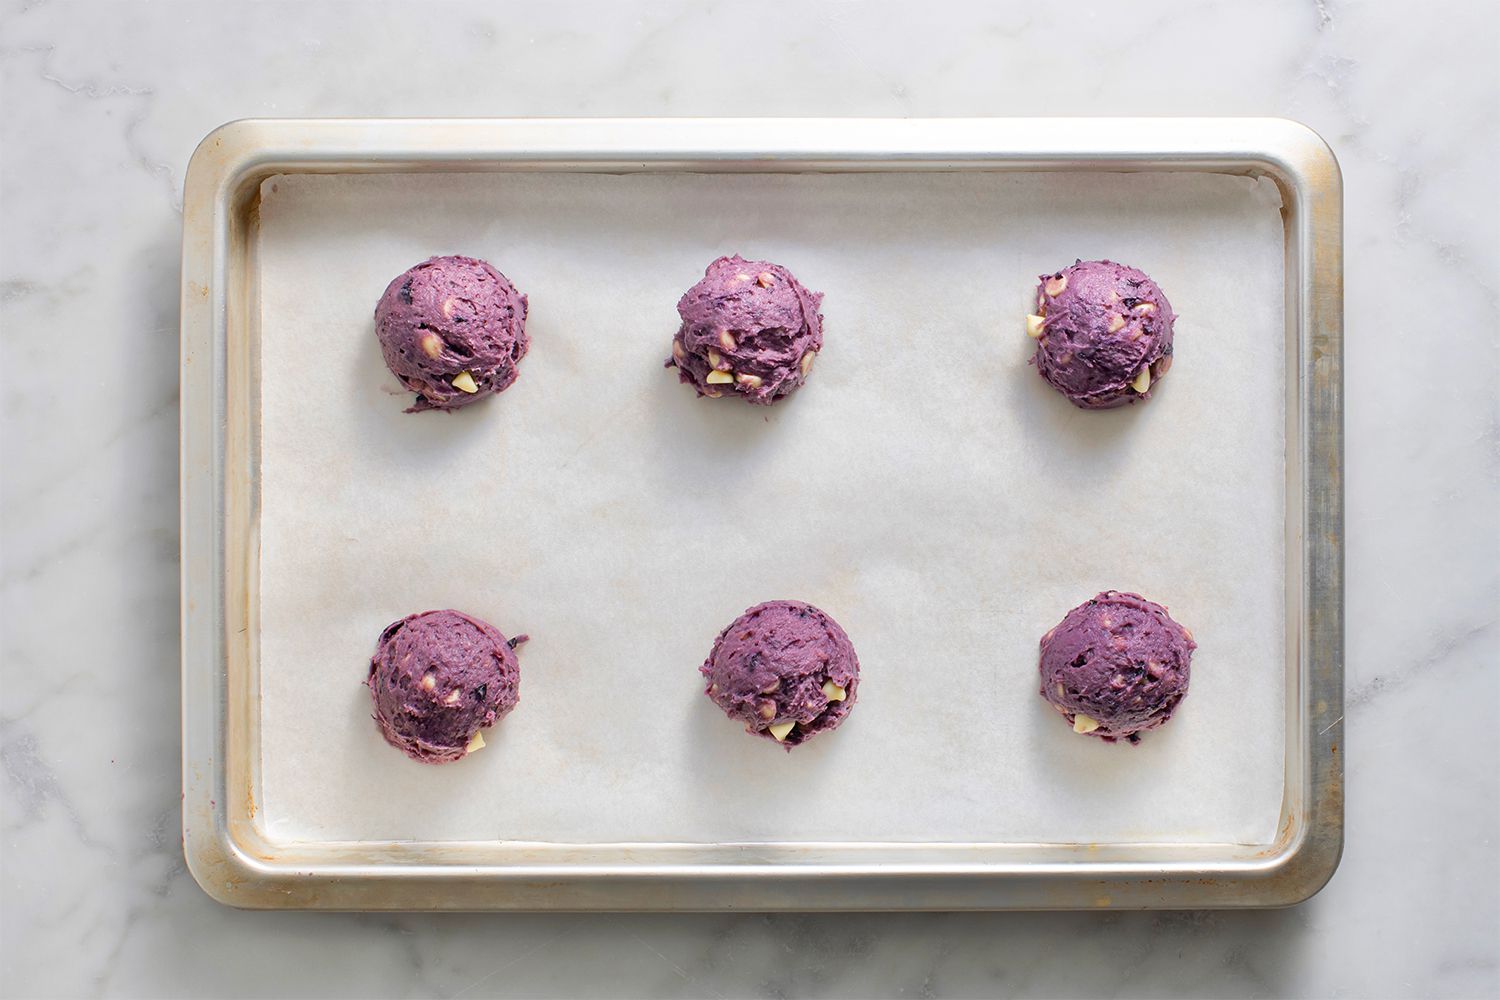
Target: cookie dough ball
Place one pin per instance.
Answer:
(784, 669)
(1116, 666)
(437, 679)
(452, 330)
(1104, 333)
(749, 329)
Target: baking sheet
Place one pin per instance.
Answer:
(927, 489)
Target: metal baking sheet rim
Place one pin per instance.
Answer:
(224, 846)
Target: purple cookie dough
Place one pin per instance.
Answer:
(1104, 333)
(452, 329)
(784, 669)
(1116, 666)
(748, 328)
(439, 677)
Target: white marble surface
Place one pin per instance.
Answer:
(102, 104)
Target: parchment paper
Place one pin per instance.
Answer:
(927, 489)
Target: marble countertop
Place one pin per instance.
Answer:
(103, 103)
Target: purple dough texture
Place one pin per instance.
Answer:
(770, 664)
(1102, 323)
(446, 316)
(439, 677)
(752, 321)
(1119, 660)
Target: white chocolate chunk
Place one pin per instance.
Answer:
(1034, 325)
(678, 351)
(1116, 323)
(1083, 724)
(1145, 307)
(477, 743)
(833, 692)
(452, 698)
(780, 729)
(1142, 382)
(1054, 286)
(464, 382)
(712, 393)
(717, 377)
(747, 380)
(432, 344)
(766, 279)
(726, 340)
(715, 359)
(807, 362)
(429, 682)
